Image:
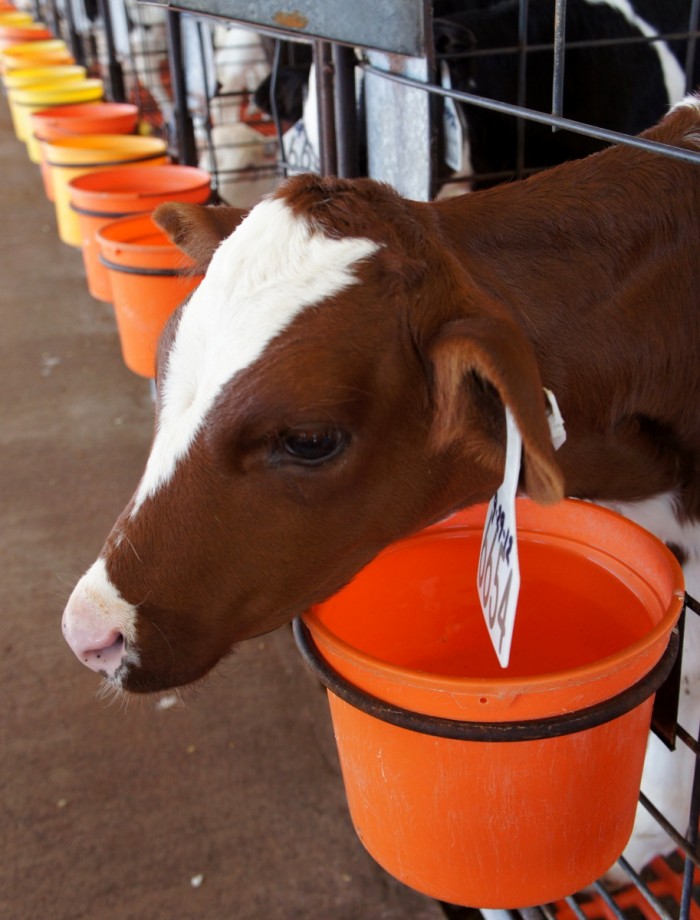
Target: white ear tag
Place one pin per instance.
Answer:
(498, 574)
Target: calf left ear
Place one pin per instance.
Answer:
(197, 229)
(473, 357)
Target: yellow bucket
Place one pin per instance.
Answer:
(30, 99)
(26, 77)
(15, 19)
(69, 157)
(35, 54)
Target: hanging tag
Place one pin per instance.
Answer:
(557, 430)
(498, 574)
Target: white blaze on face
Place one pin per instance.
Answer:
(269, 270)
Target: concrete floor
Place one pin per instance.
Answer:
(117, 812)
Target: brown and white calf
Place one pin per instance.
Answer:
(338, 379)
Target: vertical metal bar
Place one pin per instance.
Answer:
(326, 114)
(74, 40)
(186, 147)
(559, 52)
(692, 839)
(523, 13)
(115, 75)
(691, 46)
(345, 111)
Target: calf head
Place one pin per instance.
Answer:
(335, 383)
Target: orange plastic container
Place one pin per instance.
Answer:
(491, 813)
(101, 197)
(79, 118)
(149, 278)
(70, 157)
(35, 54)
(29, 32)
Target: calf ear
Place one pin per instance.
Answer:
(481, 363)
(197, 229)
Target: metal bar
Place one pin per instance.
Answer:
(573, 904)
(186, 147)
(612, 137)
(74, 40)
(348, 160)
(692, 838)
(115, 74)
(523, 13)
(644, 890)
(579, 43)
(326, 114)
(692, 43)
(559, 56)
(677, 837)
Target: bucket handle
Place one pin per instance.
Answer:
(456, 729)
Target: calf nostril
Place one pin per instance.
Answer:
(106, 658)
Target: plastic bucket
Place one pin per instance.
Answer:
(70, 157)
(17, 34)
(10, 17)
(50, 73)
(102, 197)
(26, 77)
(72, 120)
(30, 99)
(149, 277)
(35, 54)
(489, 787)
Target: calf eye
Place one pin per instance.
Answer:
(313, 447)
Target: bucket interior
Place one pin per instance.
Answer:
(415, 607)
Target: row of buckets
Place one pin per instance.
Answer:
(475, 785)
(104, 178)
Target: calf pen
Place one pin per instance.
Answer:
(411, 141)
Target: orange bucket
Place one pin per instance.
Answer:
(35, 54)
(70, 157)
(101, 197)
(17, 34)
(149, 277)
(78, 118)
(472, 783)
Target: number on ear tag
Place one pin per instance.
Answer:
(498, 574)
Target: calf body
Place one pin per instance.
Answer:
(338, 379)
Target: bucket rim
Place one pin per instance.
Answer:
(506, 685)
(154, 272)
(135, 187)
(154, 155)
(538, 729)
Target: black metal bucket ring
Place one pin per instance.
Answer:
(528, 730)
